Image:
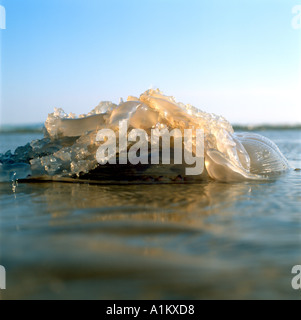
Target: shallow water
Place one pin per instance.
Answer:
(208, 240)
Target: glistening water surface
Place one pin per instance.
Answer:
(167, 241)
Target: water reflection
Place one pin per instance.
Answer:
(185, 204)
(147, 241)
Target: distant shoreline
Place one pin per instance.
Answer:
(265, 127)
(38, 128)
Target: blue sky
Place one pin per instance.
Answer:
(236, 58)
